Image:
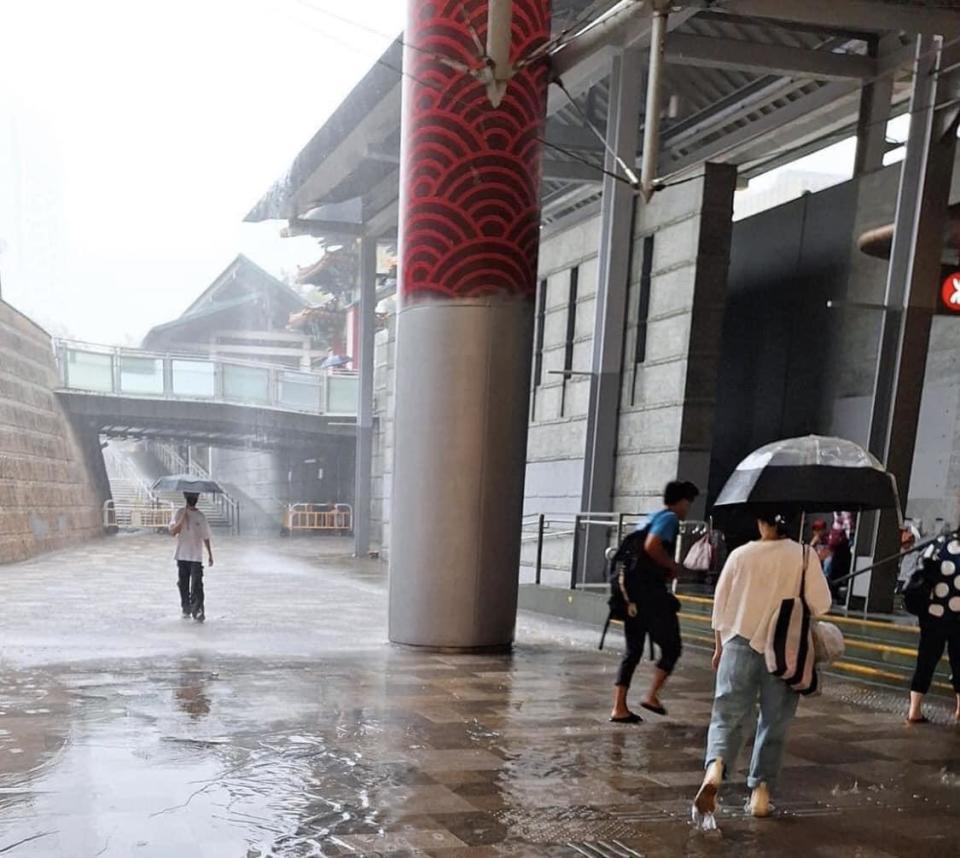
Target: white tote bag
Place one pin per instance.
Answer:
(828, 642)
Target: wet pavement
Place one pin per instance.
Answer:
(286, 726)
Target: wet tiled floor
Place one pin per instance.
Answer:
(286, 726)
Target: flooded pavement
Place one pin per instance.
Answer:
(286, 726)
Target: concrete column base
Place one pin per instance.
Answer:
(462, 397)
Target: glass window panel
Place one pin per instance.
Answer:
(141, 375)
(89, 371)
(300, 390)
(246, 383)
(342, 394)
(194, 378)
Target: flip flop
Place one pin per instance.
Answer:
(921, 720)
(657, 710)
(632, 718)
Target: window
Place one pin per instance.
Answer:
(538, 336)
(571, 334)
(643, 311)
(643, 301)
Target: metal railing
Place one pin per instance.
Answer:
(224, 505)
(541, 528)
(155, 515)
(120, 469)
(893, 558)
(329, 518)
(122, 371)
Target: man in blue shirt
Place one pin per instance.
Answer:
(646, 564)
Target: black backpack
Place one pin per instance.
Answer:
(916, 593)
(626, 561)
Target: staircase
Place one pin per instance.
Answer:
(133, 504)
(881, 652)
(221, 510)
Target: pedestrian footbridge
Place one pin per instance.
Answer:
(131, 393)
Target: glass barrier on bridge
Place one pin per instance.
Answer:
(126, 372)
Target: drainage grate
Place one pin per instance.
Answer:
(566, 825)
(603, 849)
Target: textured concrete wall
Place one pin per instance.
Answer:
(259, 478)
(669, 398)
(52, 481)
(265, 482)
(555, 443)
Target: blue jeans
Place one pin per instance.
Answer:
(742, 680)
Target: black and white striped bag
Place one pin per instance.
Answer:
(790, 652)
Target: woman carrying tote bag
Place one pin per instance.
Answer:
(755, 581)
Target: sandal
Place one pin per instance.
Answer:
(923, 719)
(631, 718)
(657, 710)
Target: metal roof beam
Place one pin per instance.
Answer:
(738, 104)
(683, 49)
(573, 136)
(385, 222)
(571, 171)
(869, 15)
(585, 60)
(320, 228)
(725, 148)
(788, 26)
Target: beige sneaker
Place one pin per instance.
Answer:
(706, 800)
(760, 801)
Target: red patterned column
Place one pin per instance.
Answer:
(471, 172)
(469, 235)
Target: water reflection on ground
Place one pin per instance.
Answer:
(286, 727)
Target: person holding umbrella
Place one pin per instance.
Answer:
(755, 580)
(192, 530)
(795, 475)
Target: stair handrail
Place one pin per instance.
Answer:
(130, 472)
(225, 504)
(893, 557)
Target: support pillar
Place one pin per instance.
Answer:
(364, 451)
(616, 239)
(469, 237)
(876, 99)
(912, 288)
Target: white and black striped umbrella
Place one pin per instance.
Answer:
(811, 473)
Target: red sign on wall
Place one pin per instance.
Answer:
(950, 293)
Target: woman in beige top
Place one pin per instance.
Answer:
(754, 581)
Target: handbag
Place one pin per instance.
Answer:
(700, 556)
(791, 651)
(916, 593)
(828, 642)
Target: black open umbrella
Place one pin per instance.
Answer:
(187, 483)
(808, 474)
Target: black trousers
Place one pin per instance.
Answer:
(664, 631)
(190, 584)
(934, 636)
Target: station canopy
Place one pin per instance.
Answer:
(756, 83)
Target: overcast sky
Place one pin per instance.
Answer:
(135, 135)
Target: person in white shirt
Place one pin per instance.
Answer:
(757, 577)
(192, 530)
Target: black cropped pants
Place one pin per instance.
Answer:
(935, 635)
(664, 631)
